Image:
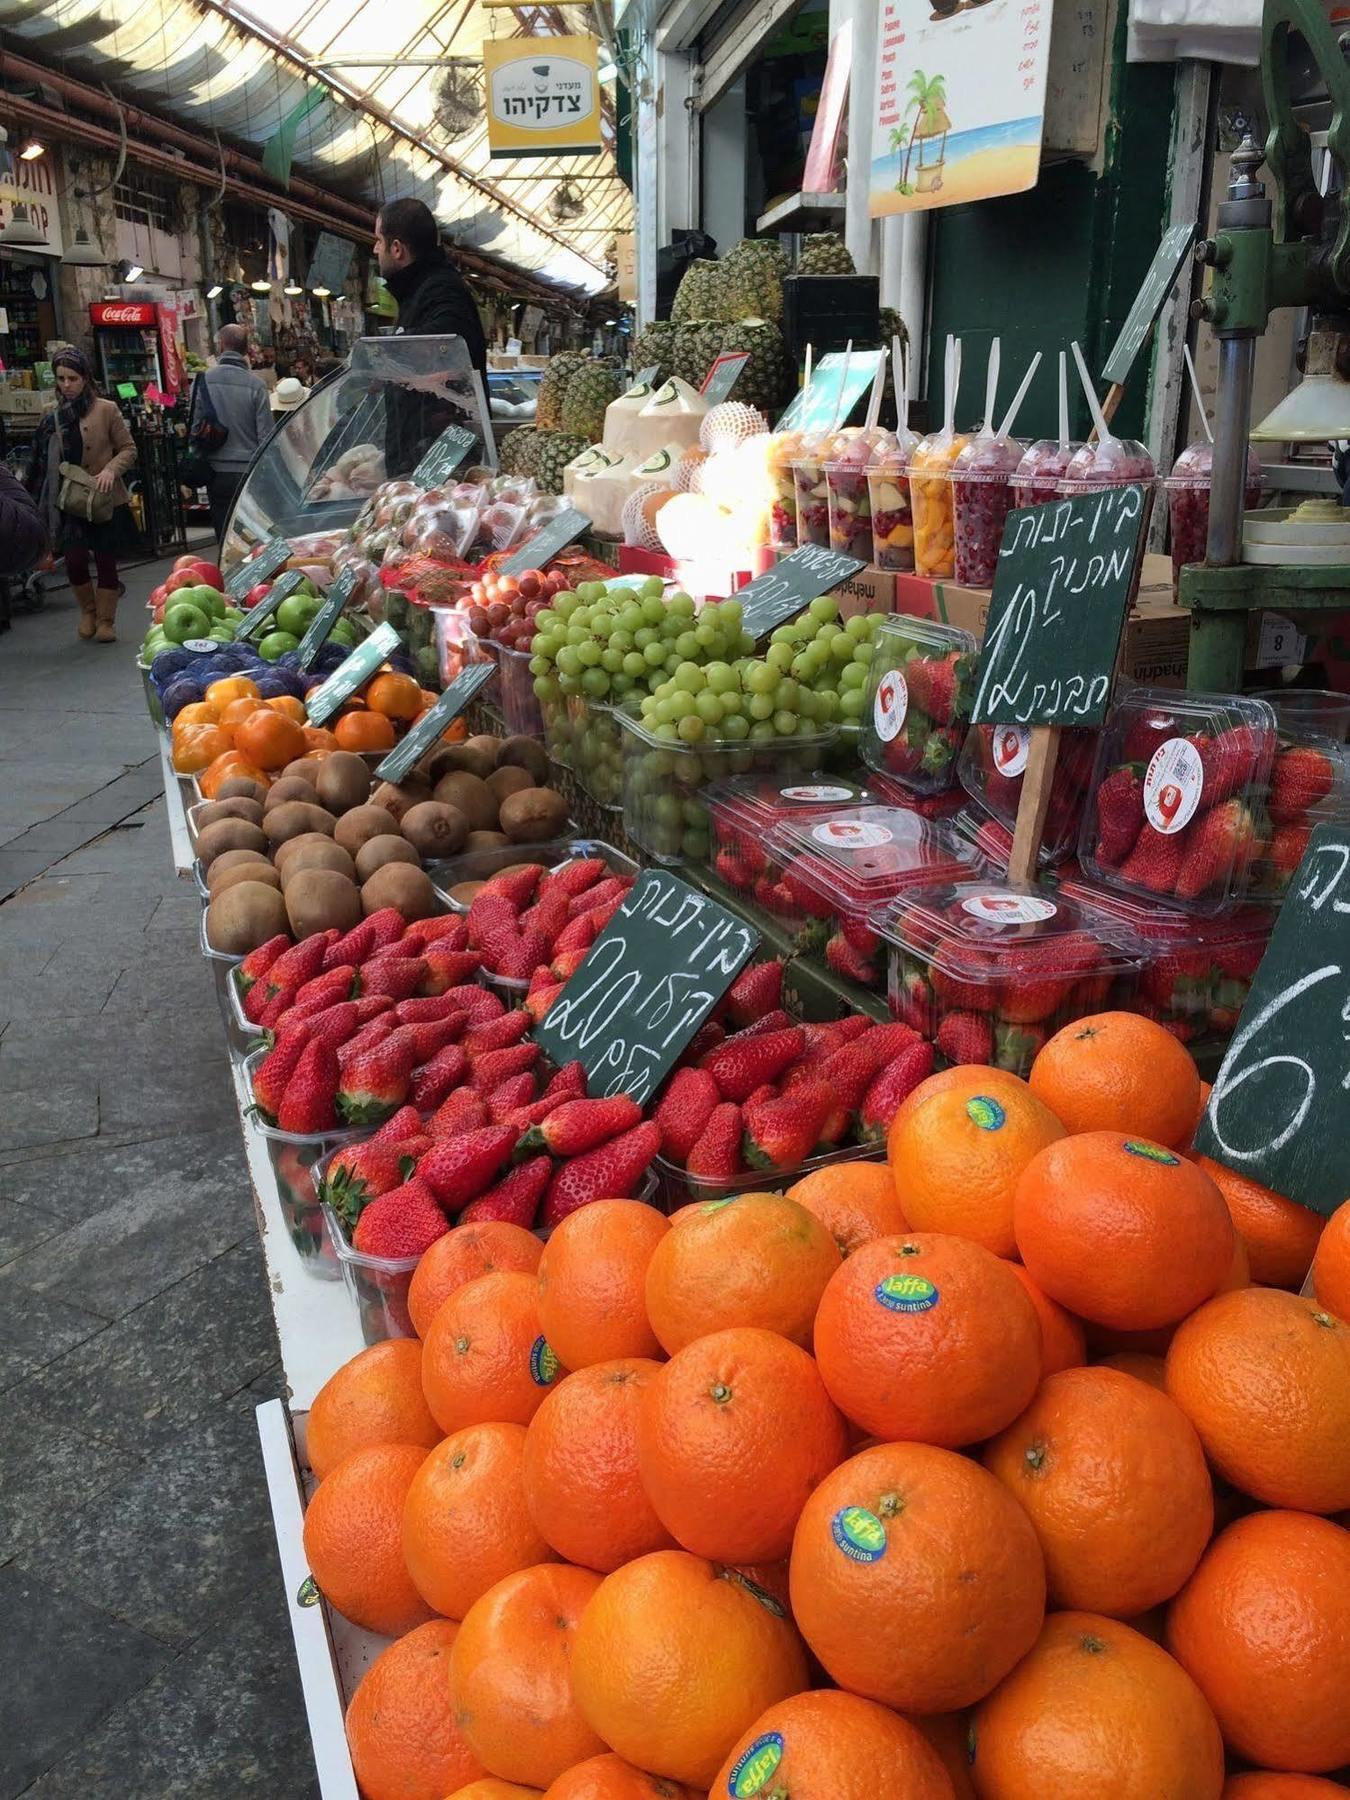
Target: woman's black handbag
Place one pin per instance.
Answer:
(205, 431)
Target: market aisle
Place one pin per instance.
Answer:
(141, 1622)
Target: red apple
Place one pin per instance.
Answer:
(157, 613)
(158, 595)
(184, 562)
(258, 592)
(208, 574)
(181, 578)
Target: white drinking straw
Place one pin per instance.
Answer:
(1195, 389)
(807, 380)
(901, 368)
(874, 399)
(1094, 405)
(990, 385)
(953, 382)
(1063, 402)
(1019, 397)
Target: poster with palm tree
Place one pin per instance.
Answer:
(959, 101)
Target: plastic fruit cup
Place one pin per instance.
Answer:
(1037, 477)
(930, 490)
(889, 499)
(849, 503)
(981, 501)
(1187, 489)
(784, 447)
(1115, 462)
(813, 504)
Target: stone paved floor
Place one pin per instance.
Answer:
(143, 1638)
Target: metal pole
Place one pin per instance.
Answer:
(1232, 424)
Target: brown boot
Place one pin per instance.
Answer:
(105, 603)
(87, 599)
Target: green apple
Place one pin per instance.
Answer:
(276, 644)
(222, 633)
(183, 620)
(209, 599)
(296, 613)
(342, 633)
(234, 617)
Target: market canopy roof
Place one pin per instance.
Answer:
(244, 67)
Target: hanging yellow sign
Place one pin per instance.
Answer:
(543, 98)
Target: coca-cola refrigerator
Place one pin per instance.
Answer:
(136, 347)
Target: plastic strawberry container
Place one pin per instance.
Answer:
(1187, 490)
(944, 805)
(982, 498)
(845, 866)
(1178, 795)
(988, 970)
(1043, 466)
(992, 841)
(743, 815)
(920, 690)
(1309, 785)
(993, 762)
(515, 689)
(675, 1188)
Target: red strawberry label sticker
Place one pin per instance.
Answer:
(891, 705)
(1173, 784)
(1011, 746)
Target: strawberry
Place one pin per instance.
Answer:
(375, 1083)
(389, 926)
(847, 1074)
(852, 964)
(338, 983)
(398, 976)
(1037, 976)
(334, 1025)
(777, 1020)
(515, 886)
(596, 898)
(714, 1159)
(274, 1071)
(496, 1034)
(538, 1001)
(1120, 815)
(447, 969)
(610, 1172)
(1301, 777)
(911, 999)
(461, 1111)
(446, 929)
(430, 1036)
(423, 1010)
(578, 934)
(531, 1114)
(580, 1125)
(573, 878)
(370, 1006)
(441, 1075)
(513, 1093)
(518, 959)
(1155, 862)
(458, 1169)
(563, 967)
(1231, 761)
(301, 963)
(781, 1133)
(307, 1105)
(479, 1003)
(1215, 846)
(256, 1001)
(741, 1065)
(1177, 981)
(352, 946)
(547, 916)
(1146, 731)
(708, 1036)
(688, 1103)
(935, 685)
(359, 1173)
(488, 916)
(275, 1009)
(570, 1082)
(730, 866)
(756, 990)
(259, 961)
(1286, 851)
(1015, 1046)
(966, 1037)
(893, 1084)
(960, 976)
(405, 1123)
(400, 1224)
(515, 1199)
(373, 1032)
(495, 1066)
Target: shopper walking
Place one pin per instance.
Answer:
(87, 517)
(21, 537)
(238, 399)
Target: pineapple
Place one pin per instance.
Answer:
(555, 449)
(825, 253)
(696, 348)
(701, 294)
(589, 392)
(553, 387)
(768, 379)
(892, 326)
(514, 450)
(754, 286)
(767, 250)
(655, 344)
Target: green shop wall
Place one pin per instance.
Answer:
(1062, 261)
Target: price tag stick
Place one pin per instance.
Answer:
(1034, 802)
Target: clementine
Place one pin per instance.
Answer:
(995, 1081)
(512, 1666)
(234, 714)
(854, 1201)
(465, 1524)
(1331, 1265)
(1264, 1627)
(676, 1657)
(928, 1337)
(1280, 1235)
(1118, 1071)
(290, 705)
(916, 1578)
(484, 1357)
(230, 687)
(318, 740)
(364, 730)
(461, 1255)
(1141, 1365)
(832, 1746)
(948, 1733)
(592, 1276)
(1121, 1231)
(197, 712)
(609, 1777)
(196, 747)
(269, 738)
(581, 1480)
(488, 1787)
(1063, 1341)
(354, 1538)
(735, 1432)
(1096, 1709)
(1264, 1784)
(226, 767)
(401, 1726)
(396, 696)
(376, 1398)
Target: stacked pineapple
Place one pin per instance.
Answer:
(735, 304)
(570, 415)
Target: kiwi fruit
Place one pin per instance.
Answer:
(249, 871)
(398, 800)
(507, 780)
(470, 795)
(363, 823)
(315, 852)
(435, 830)
(306, 768)
(238, 808)
(486, 840)
(290, 787)
(228, 834)
(343, 781)
(381, 850)
(525, 753)
(234, 859)
(533, 814)
(321, 900)
(480, 754)
(283, 853)
(400, 885)
(245, 916)
(296, 817)
(442, 761)
(239, 787)
(464, 893)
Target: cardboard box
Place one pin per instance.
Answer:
(870, 590)
(26, 403)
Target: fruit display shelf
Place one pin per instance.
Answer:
(178, 796)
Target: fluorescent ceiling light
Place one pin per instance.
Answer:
(323, 293)
(292, 288)
(215, 291)
(607, 71)
(261, 286)
(32, 150)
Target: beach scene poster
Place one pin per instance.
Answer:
(960, 101)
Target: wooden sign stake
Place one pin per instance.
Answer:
(1034, 801)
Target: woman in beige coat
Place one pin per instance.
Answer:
(88, 430)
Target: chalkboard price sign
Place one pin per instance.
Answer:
(1278, 1109)
(282, 589)
(274, 555)
(647, 983)
(790, 586)
(444, 456)
(323, 701)
(428, 729)
(546, 542)
(830, 399)
(327, 617)
(1148, 302)
(1061, 589)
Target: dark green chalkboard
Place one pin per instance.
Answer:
(1061, 591)
(323, 701)
(647, 983)
(282, 589)
(444, 456)
(274, 555)
(800, 577)
(1280, 1107)
(556, 535)
(1158, 284)
(327, 617)
(428, 729)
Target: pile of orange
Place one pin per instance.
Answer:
(902, 1484)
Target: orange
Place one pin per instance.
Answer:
(226, 767)
(592, 1275)
(1264, 1377)
(364, 731)
(1264, 1627)
(995, 1081)
(354, 1538)
(237, 711)
(833, 1746)
(512, 1666)
(1121, 1231)
(609, 1777)
(230, 687)
(1261, 1784)
(1063, 1342)
(197, 712)
(1141, 1365)
(376, 1398)
(916, 1578)
(484, 1357)
(319, 740)
(1280, 1235)
(947, 1733)
(581, 1480)
(401, 1726)
(1331, 1265)
(1111, 1474)
(1103, 1342)
(290, 706)
(676, 1657)
(269, 739)
(928, 1337)
(1096, 1712)
(957, 1155)
(196, 746)
(755, 1260)
(396, 696)
(1118, 1071)
(465, 1524)
(488, 1787)
(460, 1256)
(735, 1432)
(854, 1201)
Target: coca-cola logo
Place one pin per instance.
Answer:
(123, 315)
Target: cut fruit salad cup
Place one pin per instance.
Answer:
(888, 496)
(812, 495)
(1187, 490)
(930, 488)
(1043, 466)
(845, 461)
(785, 447)
(920, 690)
(982, 498)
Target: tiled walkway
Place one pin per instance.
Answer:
(143, 1638)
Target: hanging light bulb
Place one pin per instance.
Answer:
(83, 253)
(32, 150)
(292, 288)
(323, 293)
(261, 286)
(20, 228)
